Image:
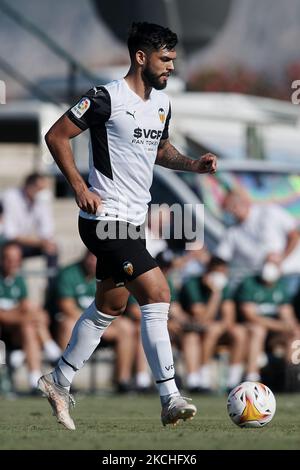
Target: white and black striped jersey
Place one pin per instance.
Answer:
(125, 132)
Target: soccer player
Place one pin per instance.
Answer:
(128, 120)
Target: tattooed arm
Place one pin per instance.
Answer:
(169, 157)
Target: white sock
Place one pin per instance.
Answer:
(33, 378)
(51, 350)
(143, 379)
(192, 380)
(204, 376)
(17, 358)
(252, 377)
(157, 346)
(85, 338)
(235, 373)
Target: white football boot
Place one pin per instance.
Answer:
(177, 408)
(60, 400)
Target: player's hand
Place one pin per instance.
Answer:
(88, 201)
(206, 164)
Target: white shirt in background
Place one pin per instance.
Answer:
(265, 231)
(21, 219)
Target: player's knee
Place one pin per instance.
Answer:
(165, 296)
(112, 310)
(158, 295)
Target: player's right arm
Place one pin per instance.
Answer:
(58, 141)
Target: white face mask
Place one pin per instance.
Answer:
(45, 195)
(218, 279)
(270, 272)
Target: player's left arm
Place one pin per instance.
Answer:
(169, 157)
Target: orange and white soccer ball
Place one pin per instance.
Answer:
(251, 405)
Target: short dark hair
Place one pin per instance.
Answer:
(32, 178)
(216, 262)
(150, 37)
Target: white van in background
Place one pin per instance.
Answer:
(23, 126)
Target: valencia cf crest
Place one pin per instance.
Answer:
(162, 115)
(128, 268)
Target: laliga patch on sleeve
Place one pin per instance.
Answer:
(80, 108)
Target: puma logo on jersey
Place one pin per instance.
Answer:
(131, 114)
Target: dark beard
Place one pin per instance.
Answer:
(152, 80)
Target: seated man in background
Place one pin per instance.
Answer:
(75, 290)
(23, 324)
(257, 231)
(265, 306)
(208, 300)
(27, 219)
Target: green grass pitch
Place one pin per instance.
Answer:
(122, 422)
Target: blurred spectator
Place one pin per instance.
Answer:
(258, 231)
(75, 290)
(193, 262)
(264, 303)
(23, 324)
(209, 301)
(28, 219)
